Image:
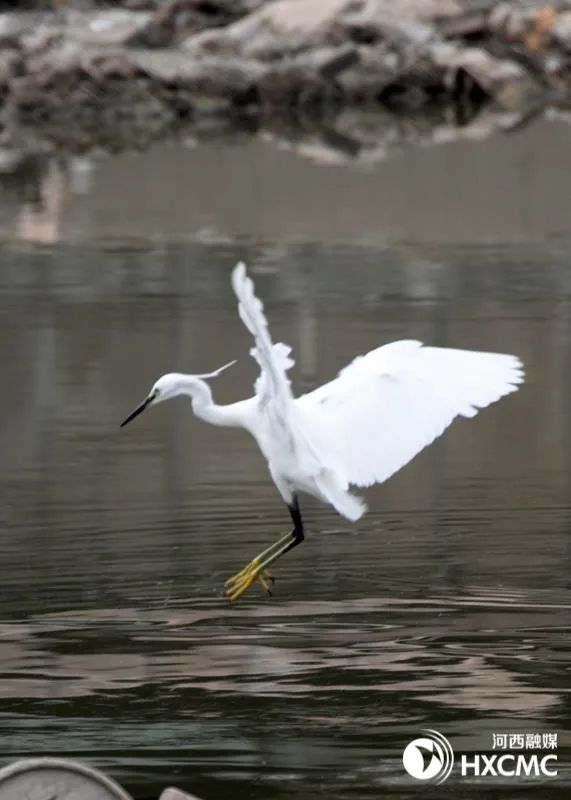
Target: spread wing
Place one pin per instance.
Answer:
(273, 386)
(386, 406)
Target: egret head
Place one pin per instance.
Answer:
(170, 385)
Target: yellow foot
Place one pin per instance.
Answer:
(243, 580)
(257, 569)
(243, 572)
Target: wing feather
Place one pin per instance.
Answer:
(388, 405)
(273, 386)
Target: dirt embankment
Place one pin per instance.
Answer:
(153, 65)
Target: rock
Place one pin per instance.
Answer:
(11, 159)
(329, 62)
(414, 10)
(228, 81)
(176, 19)
(375, 70)
(11, 64)
(15, 25)
(140, 5)
(487, 72)
(289, 27)
(562, 31)
(375, 21)
(533, 24)
(507, 21)
(284, 27)
(473, 23)
(110, 28)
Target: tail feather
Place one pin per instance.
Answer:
(348, 505)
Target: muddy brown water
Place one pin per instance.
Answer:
(447, 607)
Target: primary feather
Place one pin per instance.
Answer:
(273, 390)
(273, 384)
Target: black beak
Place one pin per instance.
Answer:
(138, 410)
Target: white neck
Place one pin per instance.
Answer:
(203, 404)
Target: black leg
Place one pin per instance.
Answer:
(297, 525)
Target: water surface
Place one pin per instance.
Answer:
(446, 607)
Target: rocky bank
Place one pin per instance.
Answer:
(122, 74)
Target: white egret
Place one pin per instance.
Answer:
(357, 430)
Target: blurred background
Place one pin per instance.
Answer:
(431, 203)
